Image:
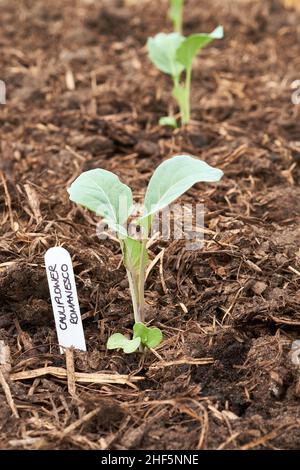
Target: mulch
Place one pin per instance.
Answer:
(223, 377)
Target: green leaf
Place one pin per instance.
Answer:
(103, 193)
(155, 337)
(132, 254)
(168, 121)
(140, 331)
(119, 341)
(162, 50)
(190, 47)
(176, 9)
(150, 337)
(171, 179)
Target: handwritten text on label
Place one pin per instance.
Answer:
(64, 298)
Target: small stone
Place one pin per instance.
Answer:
(259, 287)
(147, 148)
(295, 352)
(276, 385)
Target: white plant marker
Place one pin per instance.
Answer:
(64, 299)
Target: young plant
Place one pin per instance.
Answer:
(176, 14)
(103, 193)
(173, 54)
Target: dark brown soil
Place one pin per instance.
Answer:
(237, 301)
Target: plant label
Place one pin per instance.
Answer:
(64, 299)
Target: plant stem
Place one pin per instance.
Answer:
(177, 18)
(178, 24)
(185, 111)
(134, 291)
(133, 287)
(141, 289)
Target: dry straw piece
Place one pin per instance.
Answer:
(80, 377)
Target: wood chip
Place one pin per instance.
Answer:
(70, 80)
(34, 202)
(5, 361)
(253, 266)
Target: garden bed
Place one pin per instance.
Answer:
(223, 377)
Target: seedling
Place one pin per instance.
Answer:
(176, 13)
(103, 193)
(173, 54)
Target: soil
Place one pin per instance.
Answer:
(223, 378)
